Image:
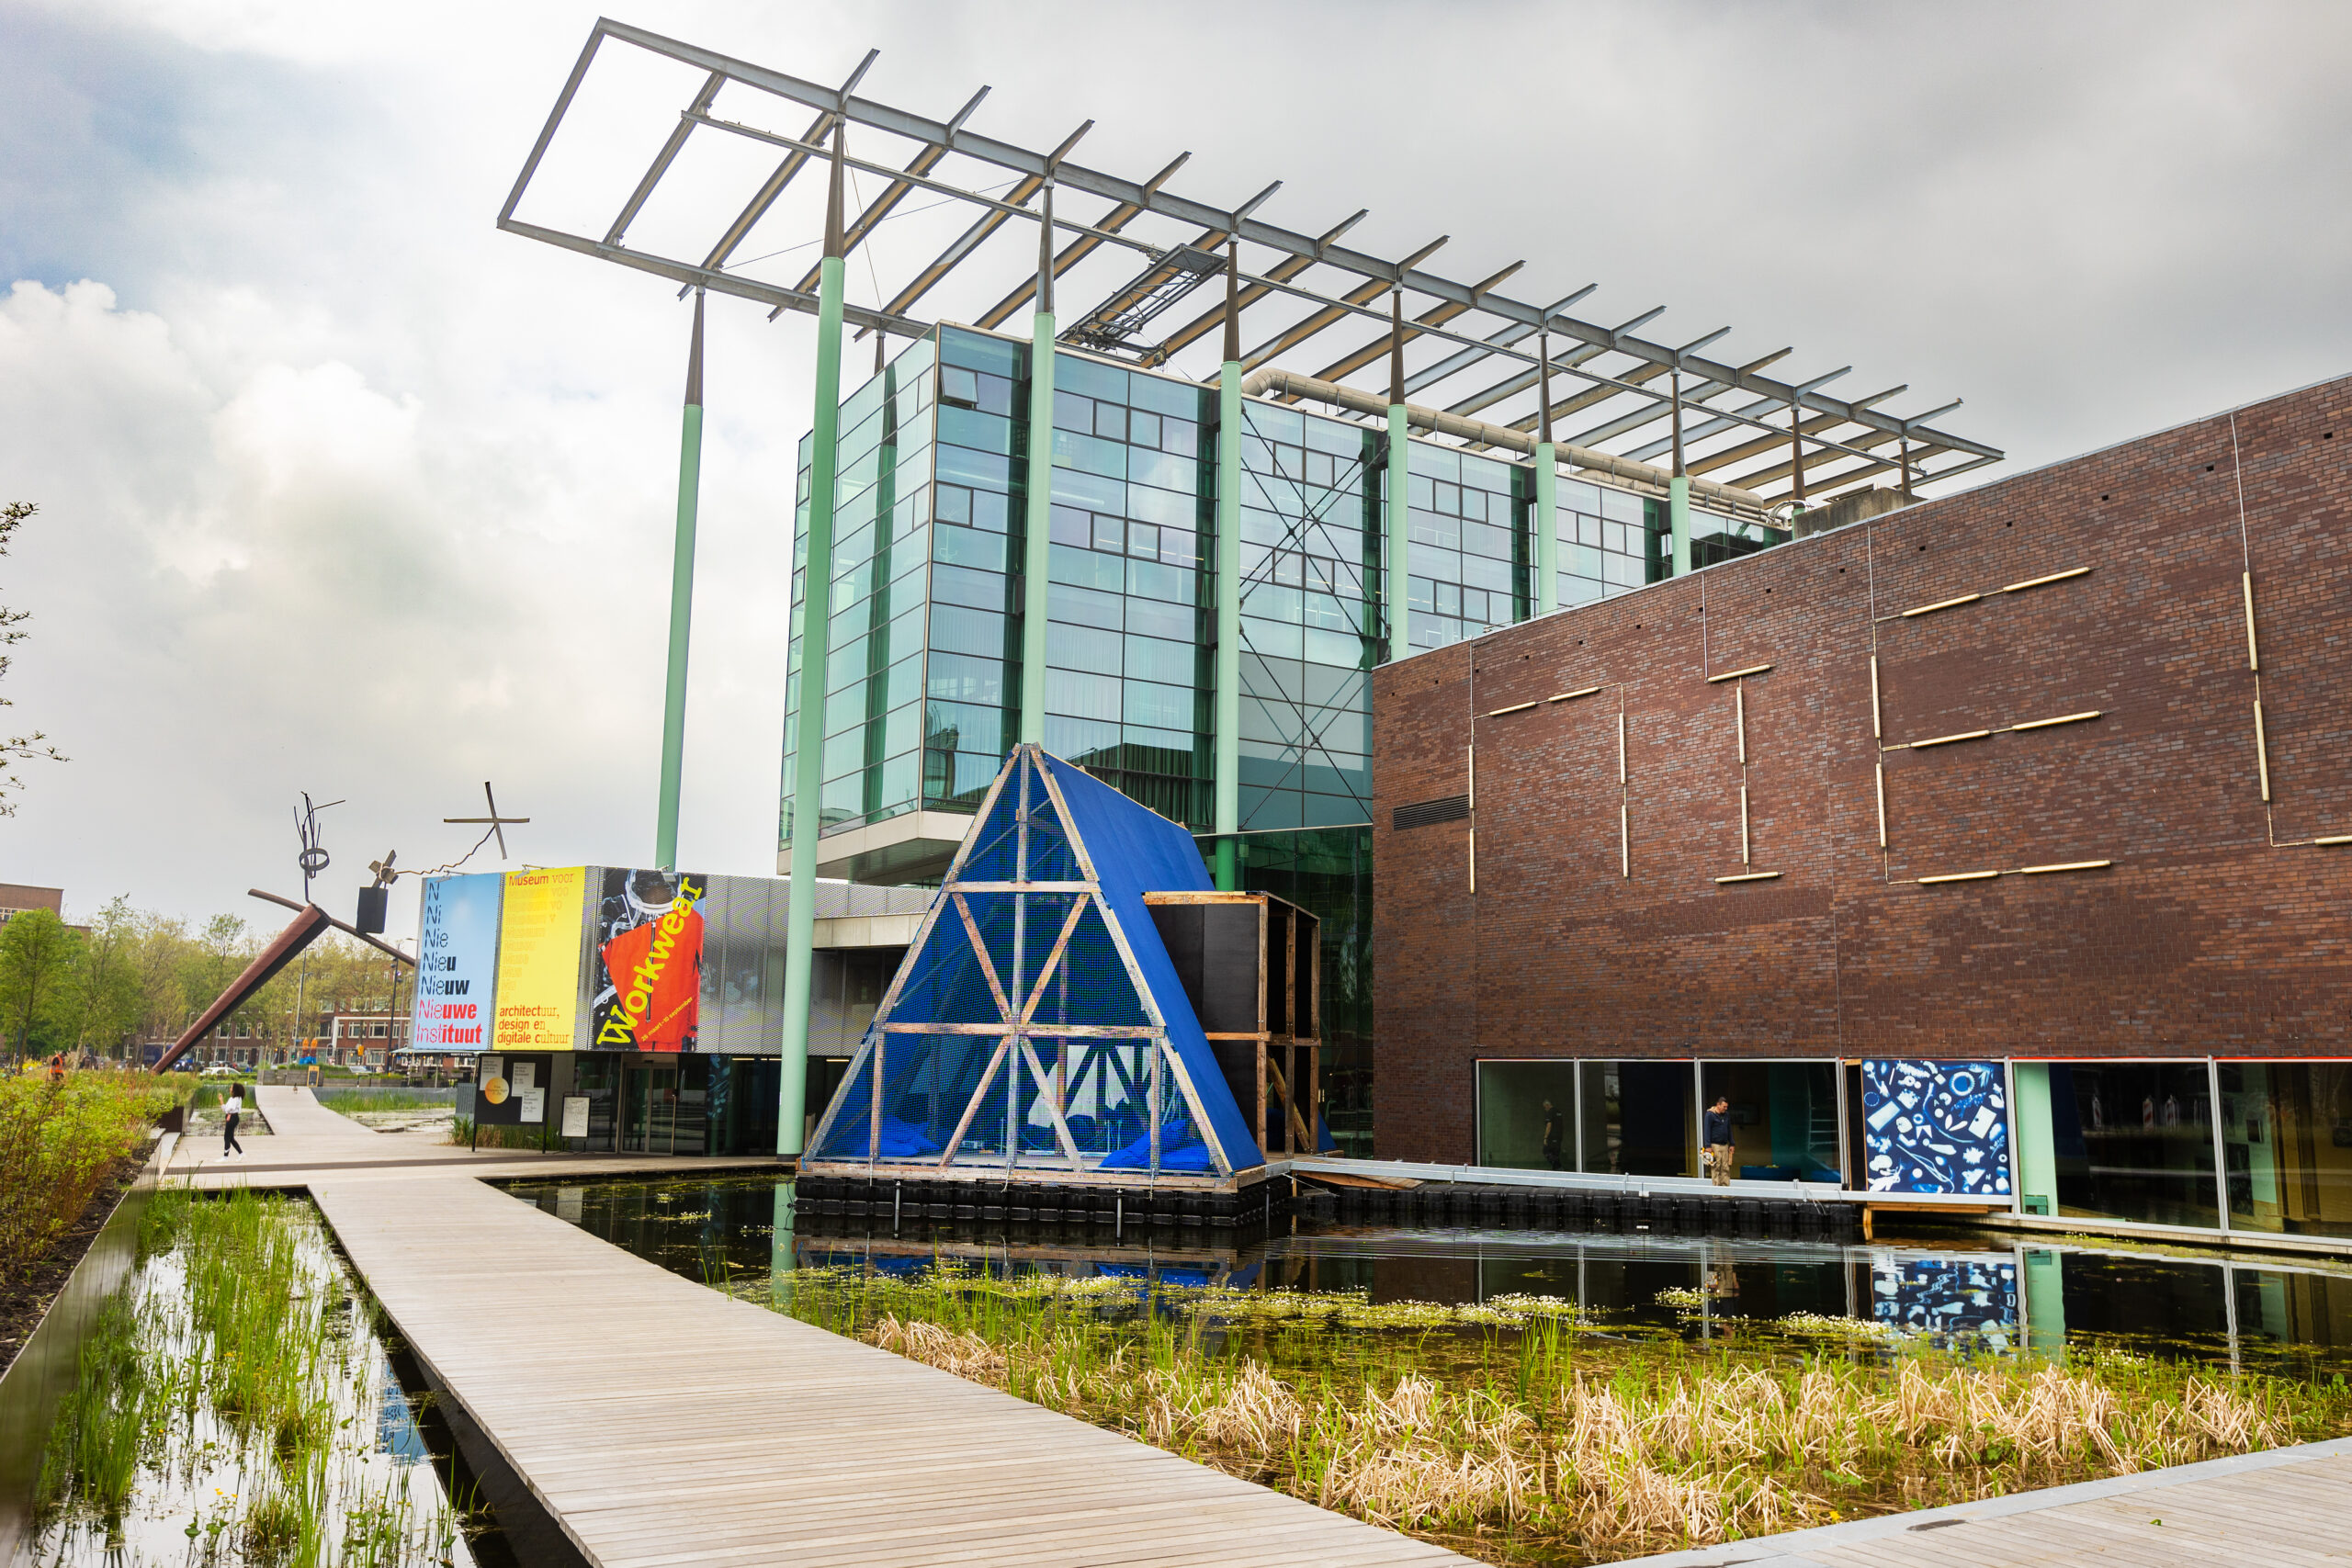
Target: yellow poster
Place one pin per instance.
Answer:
(538, 959)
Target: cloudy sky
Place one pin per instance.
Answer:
(342, 490)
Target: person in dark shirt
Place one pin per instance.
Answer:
(1721, 1154)
(1554, 1135)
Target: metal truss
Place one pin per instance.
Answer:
(1473, 347)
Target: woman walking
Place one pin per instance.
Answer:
(230, 1112)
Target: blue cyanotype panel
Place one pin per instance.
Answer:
(1947, 1297)
(1936, 1127)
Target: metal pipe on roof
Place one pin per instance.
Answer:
(1439, 422)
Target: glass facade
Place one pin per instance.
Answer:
(1468, 557)
(2286, 1143)
(923, 670)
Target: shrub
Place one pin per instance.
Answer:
(58, 1144)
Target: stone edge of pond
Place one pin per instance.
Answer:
(1789, 1551)
(49, 1359)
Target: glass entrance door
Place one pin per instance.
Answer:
(652, 1124)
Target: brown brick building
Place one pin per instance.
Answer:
(2049, 672)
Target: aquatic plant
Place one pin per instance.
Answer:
(1522, 1433)
(241, 1362)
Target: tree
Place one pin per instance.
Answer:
(107, 999)
(36, 963)
(14, 748)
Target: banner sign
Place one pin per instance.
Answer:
(1936, 1127)
(538, 959)
(456, 963)
(648, 939)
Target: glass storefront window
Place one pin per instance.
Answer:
(2287, 1142)
(1639, 1119)
(1784, 1118)
(2134, 1141)
(1527, 1114)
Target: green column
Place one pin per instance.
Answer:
(815, 616)
(1547, 532)
(1547, 486)
(2045, 1304)
(1038, 559)
(2037, 1151)
(1399, 557)
(1227, 819)
(682, 606)
(1677, 515)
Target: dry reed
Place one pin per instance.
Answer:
(1533, 1443)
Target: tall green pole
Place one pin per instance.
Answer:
(1037, 557)
(1399, 556)
(1677, 492)
(682, 606)
(809, 742)
(1547, 487)
(1227, 819)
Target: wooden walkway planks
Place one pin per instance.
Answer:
(2288, 1508)
(663, 1424)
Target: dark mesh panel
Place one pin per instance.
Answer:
(1092, 983)
(946, 983)
(1037, 917)
(1107, 1089)
(929, 1078)
(996, 854)
(852, 1125)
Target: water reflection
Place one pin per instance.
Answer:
(1983, 1292)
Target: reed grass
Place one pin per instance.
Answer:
(351, 1100)
(500, 1137)
(227, 1408)
(58, 1141)
(1523, 1433)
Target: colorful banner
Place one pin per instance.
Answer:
(538, 959)
(456, 963)
(649, 939)
(1936, 1127)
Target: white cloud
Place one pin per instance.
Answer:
(344, 491)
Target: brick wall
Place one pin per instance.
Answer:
(2218, 929)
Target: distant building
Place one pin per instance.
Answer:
(16, 899)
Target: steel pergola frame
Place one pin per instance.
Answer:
(1637, 385)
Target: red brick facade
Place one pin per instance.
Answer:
(2218, 930)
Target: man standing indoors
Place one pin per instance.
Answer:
(1720, 1152)
(1554, 1135)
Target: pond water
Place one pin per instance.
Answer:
(238, 1405)
(1981, 1289)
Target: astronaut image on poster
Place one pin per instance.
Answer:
(648, 952)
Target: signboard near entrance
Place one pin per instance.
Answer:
(456, 963)
(538, 959)
(648, 961)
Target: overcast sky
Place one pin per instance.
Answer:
(342, 490)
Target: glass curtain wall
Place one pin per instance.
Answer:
(1310, 549)
(1127, 666)
(1527, 1114)
(2287, 1143)
(874, 667)
(1783, 1118)
(1603, 543)
(1327, 872)
(2134, 1141)
(1640, 1118)
(1466, 561)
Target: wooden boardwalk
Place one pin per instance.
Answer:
(2288, 1507)
(659, 1423)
